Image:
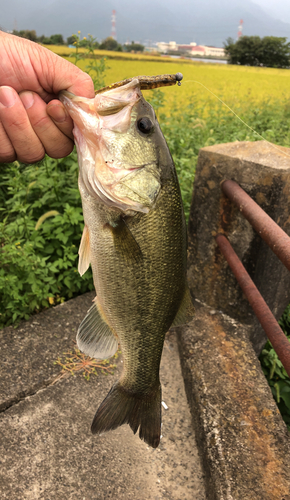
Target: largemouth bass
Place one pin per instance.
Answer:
(135, 240)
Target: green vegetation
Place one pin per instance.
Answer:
(96, 68)
(87, 42)
(269, 51)
(110, 44)
(40, 231)
(134, 47)
(31, 35)
(275, 373)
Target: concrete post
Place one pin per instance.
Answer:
(264, 173)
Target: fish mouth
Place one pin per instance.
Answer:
(117, 165)
(106, 172)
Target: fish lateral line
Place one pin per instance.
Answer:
(146, 82)
(238, 117)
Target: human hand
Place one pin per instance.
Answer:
(32, 121)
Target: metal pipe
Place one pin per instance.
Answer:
(272, 234)
(269, 323)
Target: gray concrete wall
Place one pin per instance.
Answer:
(243, 441)
(264, 173)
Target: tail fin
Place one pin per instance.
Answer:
(122, 407)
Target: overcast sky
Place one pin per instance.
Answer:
(205, 22)
(279, 8)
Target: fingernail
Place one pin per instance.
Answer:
(57, 112)
(27, 99)
(8, 97)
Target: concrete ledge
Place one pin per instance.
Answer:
(27, 353)
(241, 436)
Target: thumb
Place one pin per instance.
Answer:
(56, 73)
(70, 77)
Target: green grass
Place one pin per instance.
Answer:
(275, 373)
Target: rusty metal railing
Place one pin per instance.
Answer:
(279, 242)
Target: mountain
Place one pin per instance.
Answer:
(205, 22)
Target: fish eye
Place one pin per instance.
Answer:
(145, 125)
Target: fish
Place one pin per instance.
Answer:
(135, 240)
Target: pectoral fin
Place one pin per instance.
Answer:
(125, 243)
(95, 337)
(84, 252)
(186, 311)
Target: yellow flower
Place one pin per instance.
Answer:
(78, 32)
(51, 300)
(85, 37)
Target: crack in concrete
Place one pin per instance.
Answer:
(32, 391)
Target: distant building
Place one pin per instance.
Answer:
(190, 49)
(214, 51)
(165, 47)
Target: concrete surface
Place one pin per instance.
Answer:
(264, 173)
(243, 440)
(47, 451)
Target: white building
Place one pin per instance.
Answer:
(214, 51)
(166, 47)
(191, 49)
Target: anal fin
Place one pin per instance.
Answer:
(186, 311)
(95, 338)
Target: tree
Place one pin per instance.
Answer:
(276, 52)
(110, 44)
(29, 34)
(135, 47)
(255, 51)
(57, 39)
(45, 40)
(52, 40)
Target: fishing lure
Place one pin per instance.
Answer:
(147, 82)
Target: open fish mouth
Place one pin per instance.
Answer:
(118, 157)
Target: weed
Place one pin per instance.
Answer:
(275, 373)
(75, 361)
(95, 68)
(39, 236)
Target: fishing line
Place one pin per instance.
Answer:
(237, 116)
